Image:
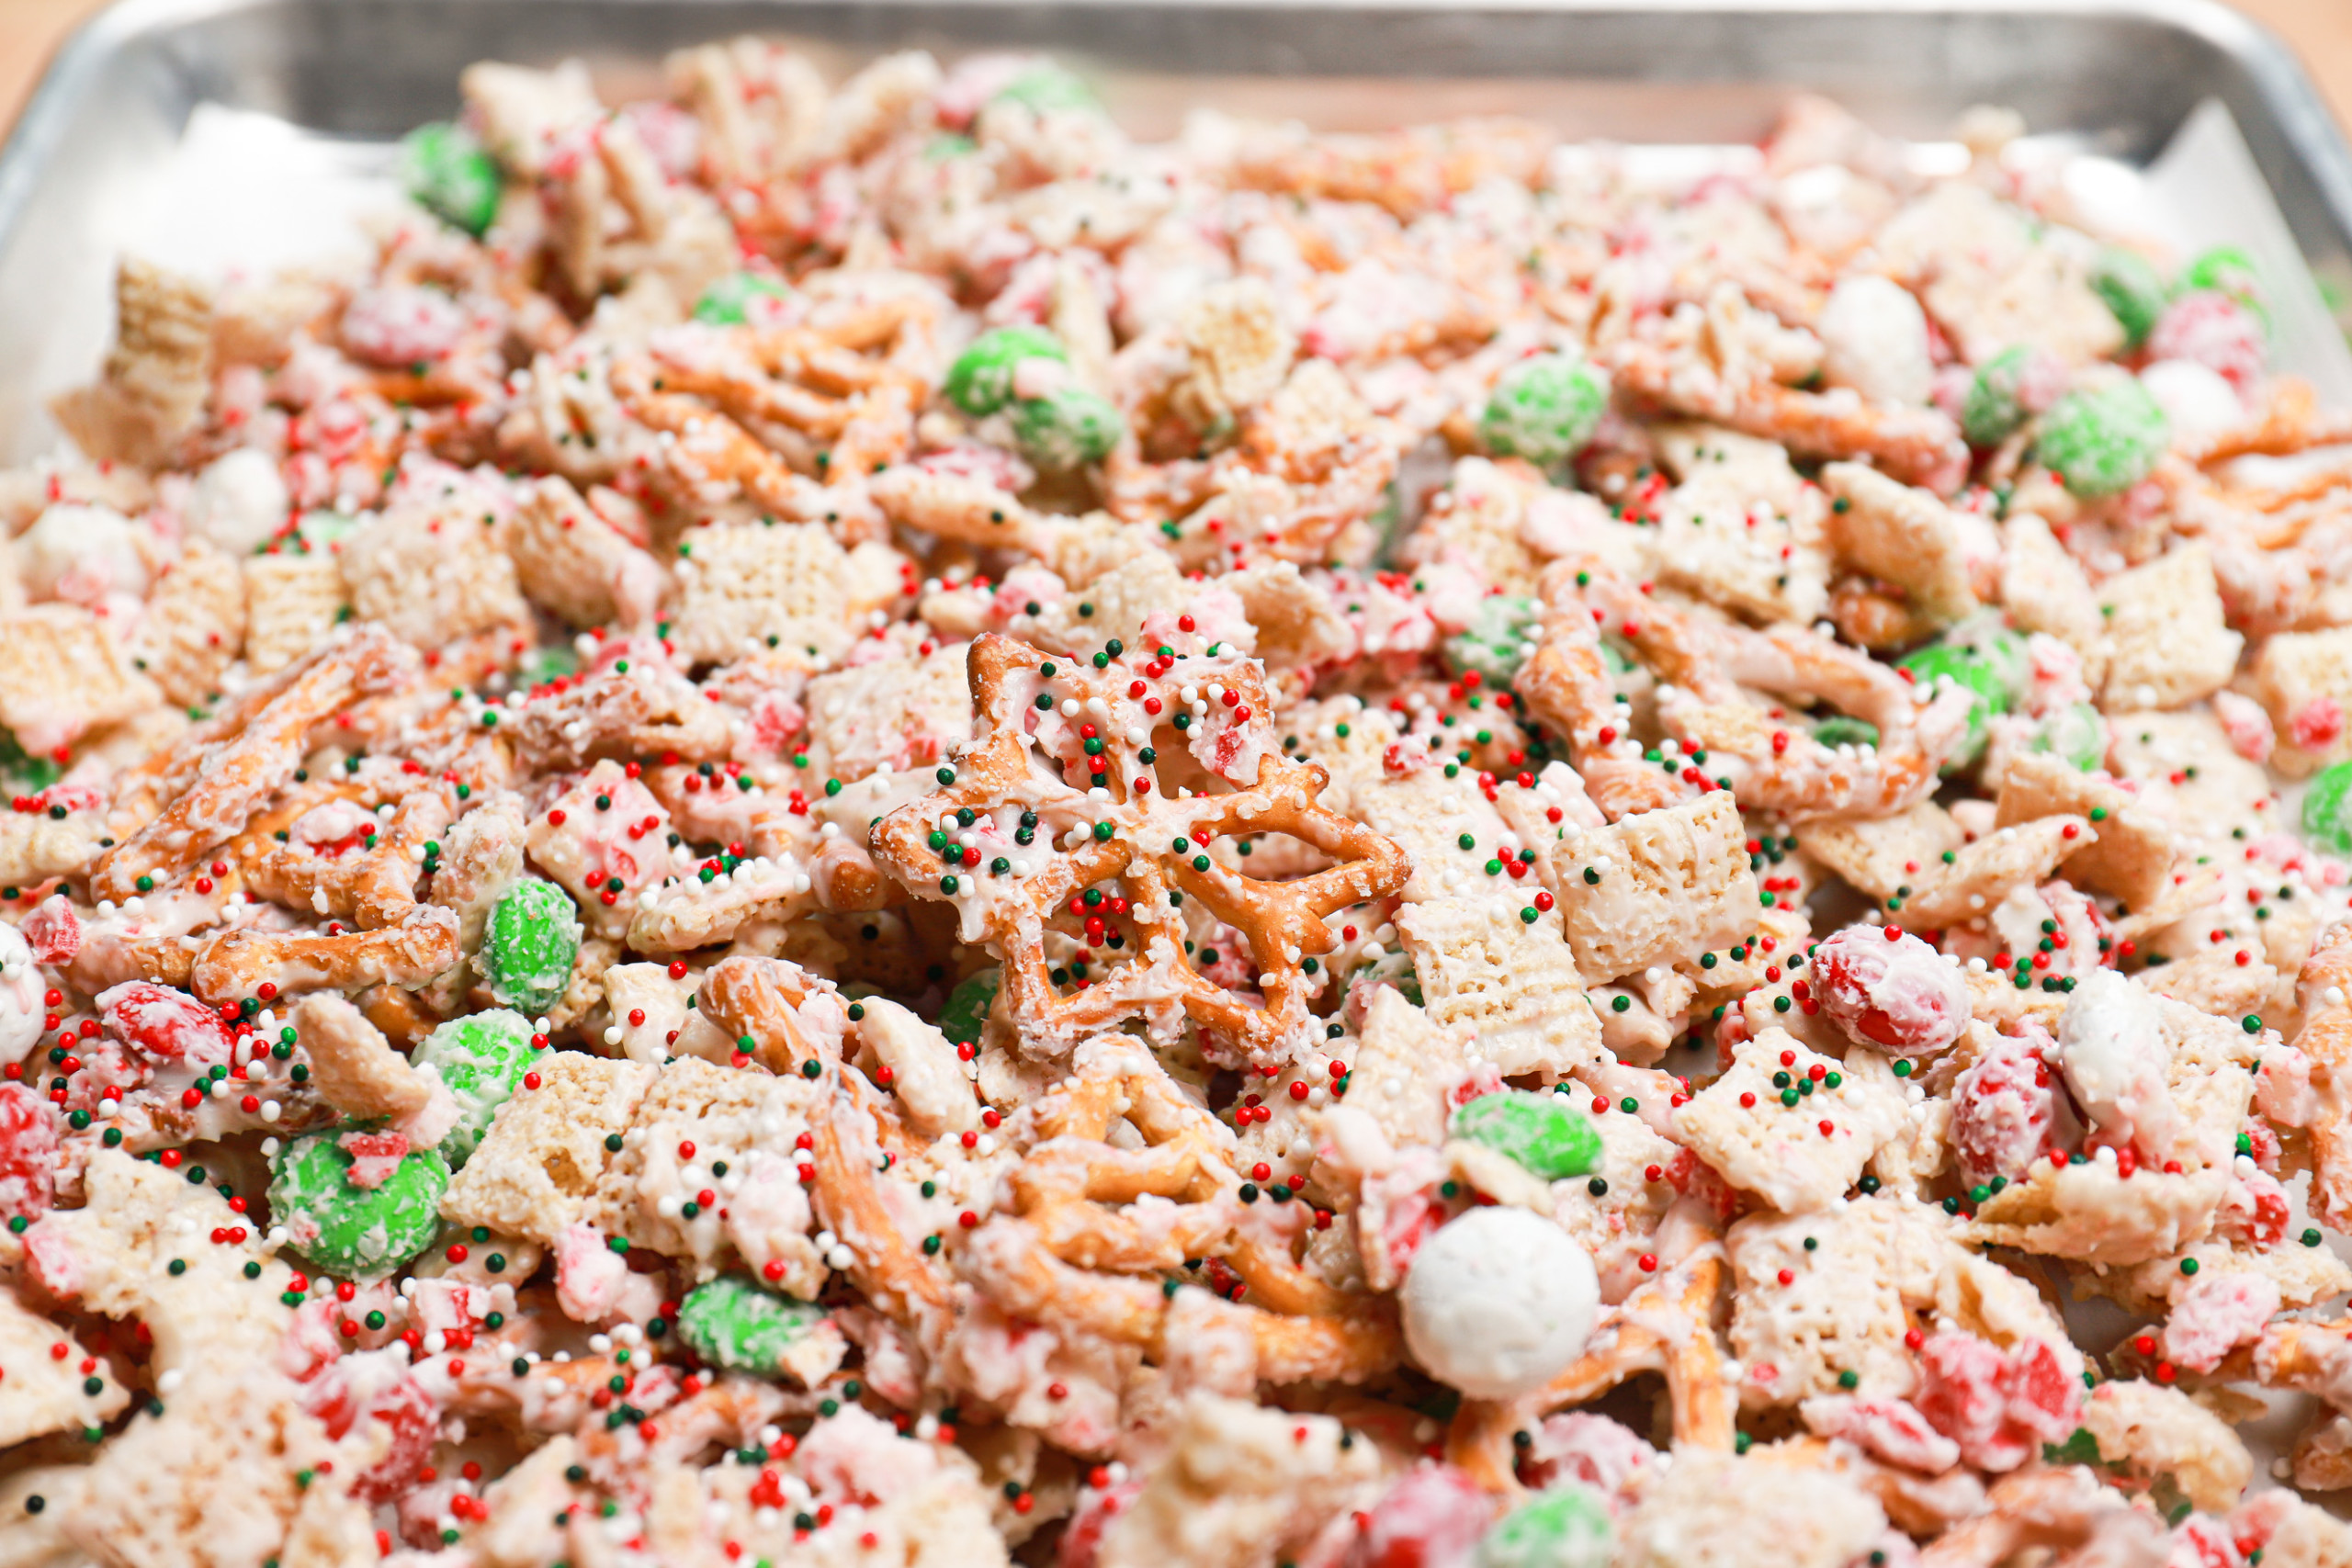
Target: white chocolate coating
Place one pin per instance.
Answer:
(1499, 1301)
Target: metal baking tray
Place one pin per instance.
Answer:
(2122, 74)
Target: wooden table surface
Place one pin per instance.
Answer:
(2319, 30)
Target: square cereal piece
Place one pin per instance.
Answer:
(538, 1167)
(1988, 284)
(432, 577)
(1506, 987)
(2304, 679)
(1665, 886)
(291, 604)
(1886, 529)
(1742, 530)
(1796, 1157)
(890, 714)
(1875, 855)
(151, 395)
(194, 627)
(2043, 589)
(1146, 586)
(1406, 1070)
(1475, 522)
(2305, 1276)
(2163, 622)
(1982, 873)
(577, 567)
(2094, 1214)
(646, 990)
(746, 587)
(747, 1119)
(2187, 771)
(1804, 1315)
(61, 674)
(1429, 815)
(2147, 1430)
(1295, 621)
(45, 1392)
(606, 829)
(2130, 858)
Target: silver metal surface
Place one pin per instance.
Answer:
(2123, 72)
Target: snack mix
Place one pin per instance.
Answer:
(856, 826)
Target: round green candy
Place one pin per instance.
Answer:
(940, 149)
(2230, 270)
(724, 302)
(551, 661)
(529, 945)
(1067, 428)
(980, 381)
(2075, 734)
(2102, 440)
(447, 174)
(1542, 1131)
(1988, 659)
(1566, 1527)
(1046, 87)
(481, 1059)
(1839, 729)
(1500, 635)
(967, 1006)
(2133, 292)
(734, 1324)
(1544, 409)
(361, 1233)
(2328, 809)
(1992, 411)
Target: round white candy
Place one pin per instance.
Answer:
(1874, 339)
(1499, 1302)
(2196, 401)
(81, 553)
(239, 501)
(20, 992)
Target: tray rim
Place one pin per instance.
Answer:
(2301, 116)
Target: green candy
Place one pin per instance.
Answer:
(1500, 635)
(1990, 413)
(551, 662)
(2231, 271)
(1985, 658)
(2102, 440)
(1544, 409)
(724, 302)
(1566, 1527)
(25, 773)
(2075, 734)
(1067, 428)
(1839, 729)
(940, 149)
(1047, 87)
(1542, 1131)
(322, 530)
(2328, 809)
(447, 174)
(529, 945)
(967, 1006)
(482, 1060)
(980, 381)
(2133, 292)
(734, 1324)
(362, 1233)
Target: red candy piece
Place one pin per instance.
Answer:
(165, 1025)
(54, 931)
(374, 1386)
(1898, 995)
(1431, 1518)
(28, 1153)
(1999, 1408)
(2005, 1110)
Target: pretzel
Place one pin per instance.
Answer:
(1056, 1254)
(421, 945)
(374, 886)
(240, 767)
(1667, 1327)
(1282, 923)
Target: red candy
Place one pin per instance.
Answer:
(1998, 1407)
(1899, 994)
(28, 1153)
(374, 1386)
(164, 1025)
(2005, 1110)
(54, 931)
(1430, 1518)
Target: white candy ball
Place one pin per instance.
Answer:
(2197, 402)
(1874, 339)
(1499, 1302)
(239, 501)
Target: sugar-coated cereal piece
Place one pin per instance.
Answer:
(537, 1169)
(1874, 339)
(357, 1203)
(1889, 990)
(1656, 887)
(1498, 1301)
(1541, 1132)
(1507, 981)
(2154, 1430)
(529, 945)
(62, 673)
(2094, 1213)
(447, 172)
(2171, 642)
(734, 1324)
(47, 1389)
(1067, 428)
(1566, 1525)
(1235, 1478)
(1712, 1510)
(481, 1059)
(2303, 681)
(2102, 440)
(980, 381)
(1788, 1124)
(1544, 409)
